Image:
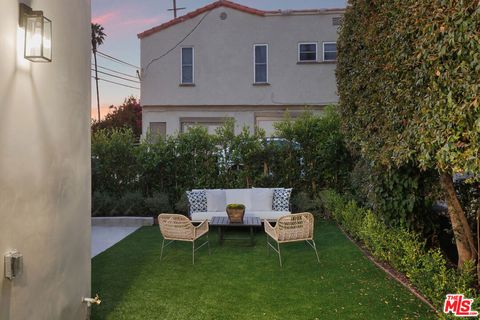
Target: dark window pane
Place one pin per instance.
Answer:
(187, 56)
(260, 54)
(310, 56)
(261, 73)
(330, 47)
(187, 74)
(311, 47)
(330, 56)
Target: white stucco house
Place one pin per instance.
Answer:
(226, 60)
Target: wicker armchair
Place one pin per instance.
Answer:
(176, 227)
(291, 228)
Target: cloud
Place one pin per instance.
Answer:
(106, 17)
(145, 21)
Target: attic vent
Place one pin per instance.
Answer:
(336, 21)
(223, 15)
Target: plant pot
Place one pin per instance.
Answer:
(235, 215)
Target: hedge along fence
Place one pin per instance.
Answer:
(312, 155)
(426, 269)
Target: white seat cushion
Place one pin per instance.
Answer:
(201, 216)
(261, 199)
(269, 215)
(239, 196)
(216, 200)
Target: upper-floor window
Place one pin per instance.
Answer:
(307, 51)
(187, 65)
(329, 51)
(260, 58)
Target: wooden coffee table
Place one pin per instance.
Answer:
(224, 223)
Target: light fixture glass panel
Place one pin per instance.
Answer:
(47, 39)
(33, 36)
(38, 37)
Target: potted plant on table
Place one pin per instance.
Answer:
(235, 212)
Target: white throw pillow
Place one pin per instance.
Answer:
(262, 199)
(216, 200)
(239, 196)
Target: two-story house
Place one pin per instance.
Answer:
(226, 60)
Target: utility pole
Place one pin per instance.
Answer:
(175, 9)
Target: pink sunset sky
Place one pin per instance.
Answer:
(124, 19)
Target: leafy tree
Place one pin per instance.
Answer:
(97, 39)
(128, 115)
(408, 78)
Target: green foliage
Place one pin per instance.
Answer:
(132, 204)
(103, 204)
(326, 162)
(182, 204)
(158, 203)
(235, 206)
(408, 82)
(426, 269)
(401, 197)
(114, 165)
(196, 159)
(302, 202)
(128, 115)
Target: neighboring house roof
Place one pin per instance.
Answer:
(235, 6)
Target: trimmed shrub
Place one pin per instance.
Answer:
(426, 269)
(132, 204)
(181, 206)
(103, 204)
(301, 202)
(158, 203)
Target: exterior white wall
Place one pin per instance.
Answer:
(224, 61)
(45, 165)
(250, 116)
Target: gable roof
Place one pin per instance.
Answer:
(231, 5)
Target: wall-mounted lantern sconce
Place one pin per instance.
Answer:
(38, 34)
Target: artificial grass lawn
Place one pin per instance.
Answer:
(241, 282)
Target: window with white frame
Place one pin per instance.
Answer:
(186, 76)
(260, 58)
(307, 51)
(329, 51)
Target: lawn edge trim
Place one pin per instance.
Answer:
(406, 284)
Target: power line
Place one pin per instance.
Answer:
(120, 84)
(125, 74)
(112, 75)
(117, 60)
(179, 43)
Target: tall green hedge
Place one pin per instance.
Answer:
(312, 154)
(408, 79)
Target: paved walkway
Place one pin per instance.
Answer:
(105, 237)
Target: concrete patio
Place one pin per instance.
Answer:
(107, 231)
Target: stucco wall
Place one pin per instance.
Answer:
(45, 165)
(243, 115)
(224, 61)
